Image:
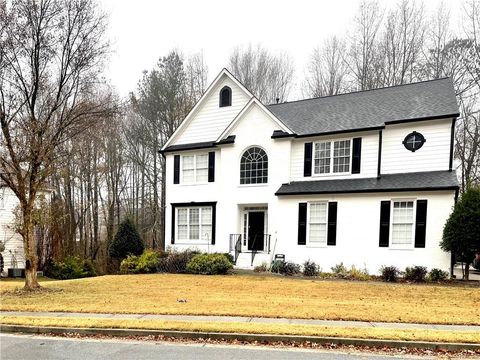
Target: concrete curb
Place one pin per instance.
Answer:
(239, 337)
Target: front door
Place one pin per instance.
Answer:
(256, 225)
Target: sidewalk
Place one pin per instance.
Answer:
(242, 319)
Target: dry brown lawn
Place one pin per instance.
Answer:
(252, 328)
(247, 295)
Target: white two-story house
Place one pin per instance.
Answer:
(363, 178)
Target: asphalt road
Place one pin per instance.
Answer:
(41, 348)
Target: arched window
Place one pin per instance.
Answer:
(254, 166)
(225, 96)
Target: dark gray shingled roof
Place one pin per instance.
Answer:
(369, 109)
(434, 180)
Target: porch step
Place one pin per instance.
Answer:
(244, 260)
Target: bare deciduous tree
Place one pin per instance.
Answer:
(363, 54)
(326, 71)
(437, 36)
(50, 56)
(268, 76)
(402, 43)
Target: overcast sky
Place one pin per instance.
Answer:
(143, 30)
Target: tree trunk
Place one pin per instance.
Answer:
(30, 246)
(467, 271)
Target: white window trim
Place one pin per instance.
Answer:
(240, 185)
(317, 245)
(410, 246)
(331, 173)
(245, 225)
(202, 240)
(194, 182)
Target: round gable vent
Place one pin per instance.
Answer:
(414, 141)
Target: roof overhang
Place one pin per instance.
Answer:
(200, 145)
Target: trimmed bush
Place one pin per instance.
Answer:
(415, 273)
(127, 241)
(340, 271)
(230, 258)
(310, 268)
(358, 274)
(209, 264)
(275, 266)
(144, 264)
(71, 267)
(148, 262)
(175, 262)
(261, 268)
(129, 265)
(289, 268)
(437, 275)
(389, 273)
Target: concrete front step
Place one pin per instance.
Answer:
(244, 260)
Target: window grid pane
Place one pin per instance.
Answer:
(254, 167)
(318, 223)
(195, 223)
(341, 156)
(402, 223)
(201, 168)
(322, 158)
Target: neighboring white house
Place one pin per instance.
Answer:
(363, 178)
(11, 241)
(13, 254)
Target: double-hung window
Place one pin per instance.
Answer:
(402, 223)
(195, 168)
(194, 223)
(317, 224)
(332, 157)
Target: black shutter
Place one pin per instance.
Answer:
(421, 223)
(211, 166)
(214, 222)
(302, 223)
(176, 169)
(307, 160)
(384, 223)
(332, 223)
(173, 225)
(356, 155)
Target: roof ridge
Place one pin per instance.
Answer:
(360, 91)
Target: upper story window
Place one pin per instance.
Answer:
(254, 166)
(414, 141)
(225, 96)
(332, 157)
(195, 168)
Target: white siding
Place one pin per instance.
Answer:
(226, 189)
(368, 163)
(358, 225)
(434, 155)
(12, 240)
(210, 120)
